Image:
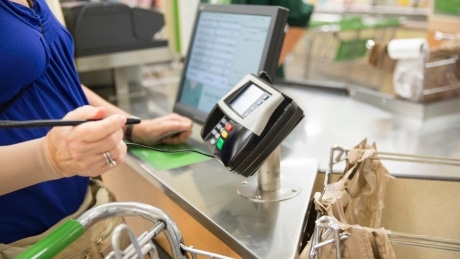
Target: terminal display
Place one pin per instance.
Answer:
(248, 100)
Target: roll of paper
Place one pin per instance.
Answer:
(407, 48)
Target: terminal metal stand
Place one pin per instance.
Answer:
(267, 184)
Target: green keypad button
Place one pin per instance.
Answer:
(220, 143)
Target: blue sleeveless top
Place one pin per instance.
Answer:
(36, 50)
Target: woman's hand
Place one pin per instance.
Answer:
(171, 129)
(79, 150)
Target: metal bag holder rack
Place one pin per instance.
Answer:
(72, 229)
(440, 93)
(324, 225)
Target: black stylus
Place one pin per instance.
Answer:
(53, 123)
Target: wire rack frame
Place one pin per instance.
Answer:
(339, 154)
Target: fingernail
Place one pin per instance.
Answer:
(121, 119)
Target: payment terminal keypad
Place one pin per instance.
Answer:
(220, 133)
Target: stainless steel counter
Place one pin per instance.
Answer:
(272, 230)
(207, 191)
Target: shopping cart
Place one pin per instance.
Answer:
(339, 51)
(72, 229)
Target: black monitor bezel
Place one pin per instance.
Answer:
(270, 55)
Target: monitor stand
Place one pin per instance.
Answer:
(266, 184)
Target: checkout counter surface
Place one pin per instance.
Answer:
(207, 191)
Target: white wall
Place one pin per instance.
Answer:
(187, 11)
(55, 7)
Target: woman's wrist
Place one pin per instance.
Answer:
(128, 131)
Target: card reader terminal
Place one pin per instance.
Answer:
(248, 123)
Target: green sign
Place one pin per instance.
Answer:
(451, 7)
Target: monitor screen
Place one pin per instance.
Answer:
(228, 42)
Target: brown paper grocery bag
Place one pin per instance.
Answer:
(356, 199)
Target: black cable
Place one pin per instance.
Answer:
(52, 123)
(169, 151)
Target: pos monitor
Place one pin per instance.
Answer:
(227, 43)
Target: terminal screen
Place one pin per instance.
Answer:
(248, 100)
(226, 47)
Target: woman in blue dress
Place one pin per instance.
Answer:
(44, 173)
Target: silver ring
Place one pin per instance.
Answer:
(109, 159)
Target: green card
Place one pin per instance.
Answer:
(170, 156)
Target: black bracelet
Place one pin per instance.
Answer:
(129, 132)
